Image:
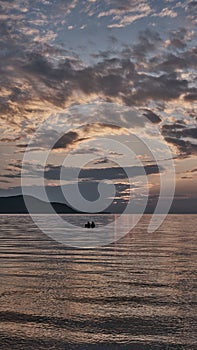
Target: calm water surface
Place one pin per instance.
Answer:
(139, 293)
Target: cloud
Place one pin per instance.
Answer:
(92, 174)
(55, 140)
(72, 139)
(179, 130)
(166, 12)
(60, 83)
(38, 81)
(111, 79)
(194, 170)
(182, 137)
(172, 63)
(87, 150)
(178, 39)
(125, 12)
(69, 174)
(191, 11)
(190, 132)
(191, 95)
(68, 140)
(39, 76)
(148, 41)
(154, 118)
(103, 161)
(126, 20)
(94, 150)
(164, 87)
(185, 148)
(183, 63)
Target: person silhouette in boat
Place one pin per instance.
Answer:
(88, 225)
(92, 224)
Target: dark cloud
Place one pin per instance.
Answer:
(149, 40)
(55, 140)
(171, 63)
(191, 95)
(179, 131)
(93, 150)
(181, 136)
(181, 204)
(186, 177)
(165, 87)
(7, 140)
(52, 172)
(185, 148)
(108, 79)
(173, 130)
(102, 161)
(194, 170)
(11, 175)
(154, 118)
(40, 75)
(67, 140)
(49, 83)
(191, 10)
(4, 181)
(178, 39)
(87, 150)
(190, 132)
(93, 174)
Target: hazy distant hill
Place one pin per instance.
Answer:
(16, 205)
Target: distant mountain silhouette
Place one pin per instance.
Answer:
(16, 205)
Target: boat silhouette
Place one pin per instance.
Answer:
(88, 225)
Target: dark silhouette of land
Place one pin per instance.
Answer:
(16, 205)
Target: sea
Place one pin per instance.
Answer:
(135, 293)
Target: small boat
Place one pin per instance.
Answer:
(88, 225)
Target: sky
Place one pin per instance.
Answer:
(101, 89)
